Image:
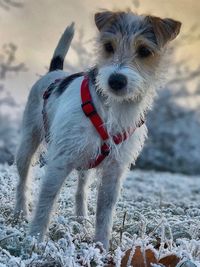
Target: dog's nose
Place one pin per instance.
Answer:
(117, 81)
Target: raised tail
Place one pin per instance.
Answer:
(62, 49)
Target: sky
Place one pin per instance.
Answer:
(36, 28)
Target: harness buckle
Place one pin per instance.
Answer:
(88, 108)
(105, 149)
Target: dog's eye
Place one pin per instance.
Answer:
(143, 51)
(108, 48)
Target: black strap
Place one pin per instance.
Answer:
(66, 82)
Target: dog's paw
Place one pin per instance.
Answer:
(20, 213)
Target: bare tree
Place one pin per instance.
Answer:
(8, 61)
(8, 129)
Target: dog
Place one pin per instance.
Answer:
(94, 120)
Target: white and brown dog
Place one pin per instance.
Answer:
(93, 119)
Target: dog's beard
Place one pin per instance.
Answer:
(133, 92)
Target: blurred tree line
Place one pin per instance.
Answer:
(8, 126)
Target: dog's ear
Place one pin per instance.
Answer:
(103, 18)
(165, 29)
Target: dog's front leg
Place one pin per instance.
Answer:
(57, 171)
(81, 194)
(107, 197)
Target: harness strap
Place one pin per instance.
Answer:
(46, 95)
(90, 112)
(61, 85)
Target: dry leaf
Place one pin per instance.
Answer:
(146, 259)
(169, 261)
(139, 258)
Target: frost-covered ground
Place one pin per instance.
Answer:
(160, 210)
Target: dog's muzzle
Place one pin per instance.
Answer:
(117, 81)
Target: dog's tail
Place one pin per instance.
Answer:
(62, 49)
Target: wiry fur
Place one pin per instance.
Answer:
(74, 141)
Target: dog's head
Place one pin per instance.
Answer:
(131, 50)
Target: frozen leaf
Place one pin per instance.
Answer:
(140, 258)
(170, 261)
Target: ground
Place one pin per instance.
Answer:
(158, 210)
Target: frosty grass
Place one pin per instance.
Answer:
(155, 209)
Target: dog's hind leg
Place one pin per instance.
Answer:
(29, 144)
(107, 197)
(30, 140)
(56, 172)
(81, 194)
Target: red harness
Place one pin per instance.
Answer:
(90, 112)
